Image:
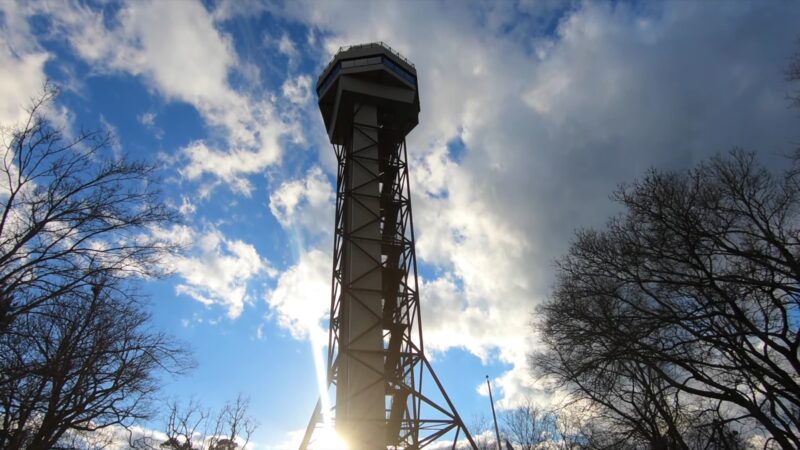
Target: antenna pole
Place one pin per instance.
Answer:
(494, 416)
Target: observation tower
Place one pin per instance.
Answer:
(369, 99)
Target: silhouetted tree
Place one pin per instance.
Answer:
(82, 362)
(632, 405)
(70, 211)
(717, 435)
(577, 428)
(695, 289)
(76, 351)
(528, 425)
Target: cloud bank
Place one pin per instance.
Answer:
(552, 115)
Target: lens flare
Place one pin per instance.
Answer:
(327, 439)
(318, 345)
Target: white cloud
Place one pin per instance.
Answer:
(147, 119)
(232, 9)
(306, 203)
(298, 89)
(178, 50)
(290, 439)
(301, 298)
(228, 166)
(215, 270)
(300, 301)
(187, 207)
(117, 437)
(22, 63)
(551, 123)
(114, 437)
(286, 46)
(21, 78)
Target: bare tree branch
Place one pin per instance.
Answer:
(76, 351)
(191, 427)
(69, 211)
(85, 362)
(690, 298)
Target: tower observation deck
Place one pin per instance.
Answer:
(369, 100)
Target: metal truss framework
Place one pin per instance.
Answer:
(412, 419)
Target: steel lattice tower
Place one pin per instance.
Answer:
(369, 101)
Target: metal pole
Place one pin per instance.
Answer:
(494, 416)
(315, 418)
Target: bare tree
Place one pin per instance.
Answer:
(483, 433)
(185, 426)
(193, 427)
(697, 285)
(82, 362)
(528, 426)
(577, 428)
(76, 351)
(70, 211)
(632, 404)
(234, 422)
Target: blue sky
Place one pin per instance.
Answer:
(532, 113)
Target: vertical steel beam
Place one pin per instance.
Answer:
(360, 390)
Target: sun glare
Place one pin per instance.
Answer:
(318, 344)
(326, 439)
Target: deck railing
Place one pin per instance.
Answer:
(381, 44)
